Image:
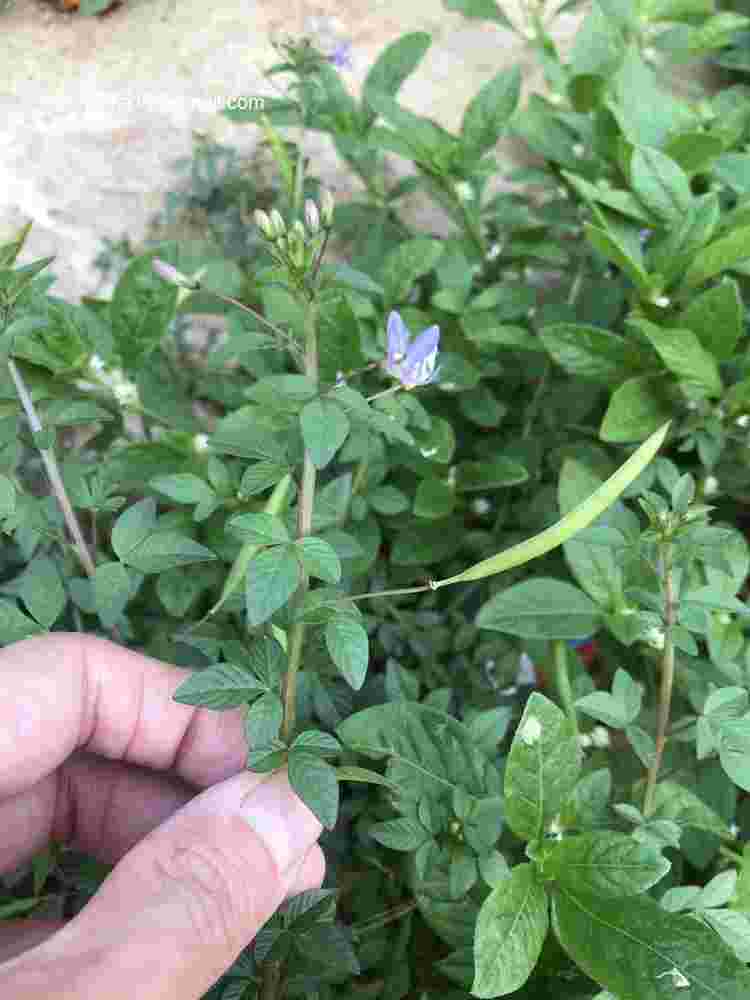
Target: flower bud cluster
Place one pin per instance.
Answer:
(296, 246)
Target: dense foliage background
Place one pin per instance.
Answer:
(533, 781)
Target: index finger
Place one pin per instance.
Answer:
(68, 691)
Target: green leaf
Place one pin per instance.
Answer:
(219, 686)
(636, 409)
(166, 550)
(240, 433)
(574, 521)
(141, 310)
(361, 775)
(265, 529)
(316, 783)
(542, 768)
(482, 10)
(604, 864)
(660, 183)
(184, 487)
(680, 805)
(489, 475)
(263, 721)
(488, 113)
(272, 577)
(638, 951)
(407, 262)
(428, 750)
(388, 500)
(348, 646)
(395, 63)
(615, 250)
(434, 499)
(541, 608)
(42, 591)
(400, 834)
(112, 589)
(511, 928)
(592, 562)
(423, 544)
(325, 427)
(721, 255)
(716, 318)
(15, 625)
(7, 497)
(133, 526)
(592, 353)
(681, 352)
(259, 477)
(319, 559)
(734, 751)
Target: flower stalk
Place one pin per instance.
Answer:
(667, 675)
(53, 473)
(304, 527)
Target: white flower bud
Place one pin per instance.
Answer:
(600, 738)
(481, 506)
(327, 206)
(169, 273)
(710, 486)
(654, 637)
(661, 301)
(743, 421)
(200, 443)
(263, 223)
(279, 226)
(312, 217)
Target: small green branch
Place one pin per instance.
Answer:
(388, 593)
(53, 473)
(248, 309)
(305, 504)
(667, 676)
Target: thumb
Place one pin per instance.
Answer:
(179, 908)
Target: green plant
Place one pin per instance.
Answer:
(359, 508)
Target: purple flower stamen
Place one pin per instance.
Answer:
(412, 362)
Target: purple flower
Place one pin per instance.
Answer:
(644, 235)
(341, 55)
(412, 362)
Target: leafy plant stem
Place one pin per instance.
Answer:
(381, 919)
(388, 593)
(536, 402)
(667, 676)
(248, 309)
(53, 472)
(304, 527)
(564, 687)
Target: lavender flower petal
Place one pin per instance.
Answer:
(398, 342)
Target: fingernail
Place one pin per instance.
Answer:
(281, 820)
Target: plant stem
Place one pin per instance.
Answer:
(270, 980)
(248, 309)
(389, 593)
(562, 677)
(53, 473)
(667, 676)
(304, 527)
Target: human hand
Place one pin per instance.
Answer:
(195, 876)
